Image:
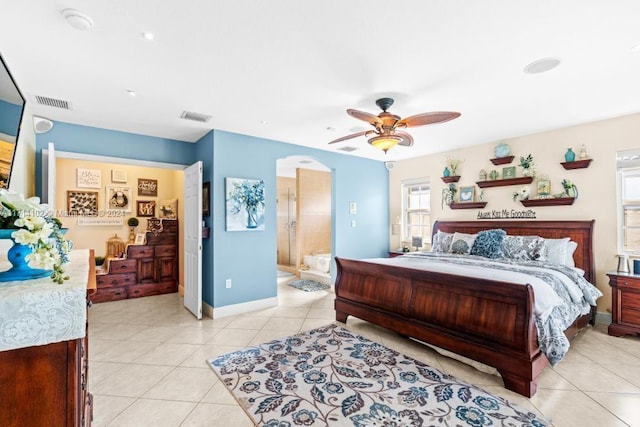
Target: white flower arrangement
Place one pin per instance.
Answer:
(37, 228)
(523, 194)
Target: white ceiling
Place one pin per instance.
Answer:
(288, 69)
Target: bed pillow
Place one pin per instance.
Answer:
(488, 243)
(441, 242)
(524, 248)
(556, 250)
(571, 248)
(462, 243)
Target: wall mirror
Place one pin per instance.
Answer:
(11, 110)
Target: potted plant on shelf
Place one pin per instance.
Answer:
(132, 223)
(528, 166)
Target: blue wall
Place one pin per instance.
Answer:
(105, 142)
(10, 118)
(248, 258)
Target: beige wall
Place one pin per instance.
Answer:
(596, 184)
(314, 212)
(170, 185)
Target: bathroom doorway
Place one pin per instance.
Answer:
(303, 217)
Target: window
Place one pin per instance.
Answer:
(416, 210)
(630, 210)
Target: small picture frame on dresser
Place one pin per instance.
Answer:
(141, 239)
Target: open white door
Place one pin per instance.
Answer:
(192, 240)
(49, 176)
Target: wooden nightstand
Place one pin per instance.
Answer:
(625, 304)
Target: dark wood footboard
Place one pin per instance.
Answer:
(491, 322)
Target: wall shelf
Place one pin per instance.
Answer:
(504, 182)
(577, 164)
(468, 205)
(502, 160)
(556, 201)
(453, 178)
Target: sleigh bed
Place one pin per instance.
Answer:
(492, 322)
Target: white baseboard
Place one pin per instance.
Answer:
(234, 309)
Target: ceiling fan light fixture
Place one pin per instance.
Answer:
(385, 142)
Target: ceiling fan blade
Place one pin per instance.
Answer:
(367, 117)
(407, 140)
(428, 118)
(353, 135)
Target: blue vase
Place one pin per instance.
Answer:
(252, 217)
(446, 172)
(569, 156)
(20, 270)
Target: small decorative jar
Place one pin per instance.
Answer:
(483, 175)
(501, 150)
(583, 152)
(446, 172)
(569, 156)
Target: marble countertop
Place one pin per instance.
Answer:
(39, 311)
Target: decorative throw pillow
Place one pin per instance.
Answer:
(441, 242)
(462, 243)
(524, 248)
(488, 243)
(556, 250)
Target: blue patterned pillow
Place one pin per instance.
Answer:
(524, 248)
(488, 243)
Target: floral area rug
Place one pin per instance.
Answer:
(330, 376)
(308, 285)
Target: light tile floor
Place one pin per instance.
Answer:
(147, 364)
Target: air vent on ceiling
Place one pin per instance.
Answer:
(347, 149)
(52, 102)
(196, 117)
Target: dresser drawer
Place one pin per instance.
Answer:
(148, 289)
(122, 266)
(166, 250)
(109, 294)
(140, 251)
(161, 238)
(109, 280)
(630, 308)
(628, 283)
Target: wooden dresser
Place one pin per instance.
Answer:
(47, 385)
(625, 304)
(149, 269)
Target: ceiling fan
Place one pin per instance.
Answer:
(386, 125)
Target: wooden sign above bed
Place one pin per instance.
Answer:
(507, 214)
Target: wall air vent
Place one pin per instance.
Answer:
(196, 117)
(52, 102)
(347, 149)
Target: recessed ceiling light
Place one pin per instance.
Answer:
(542, 65)
(305, 162)
(78, 20)
(264, 122)
(131, 92)
(330, 128)
(148, 35)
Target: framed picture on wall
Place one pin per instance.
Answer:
(82, 202)
(119, 176)
(206, 198)
(147, 187)
(509, 172)
(244, 204)
(118, 198)
(146, 208)
(89, 178)
(544, 187)
(466, 194)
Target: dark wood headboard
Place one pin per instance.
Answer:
(580, 232)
